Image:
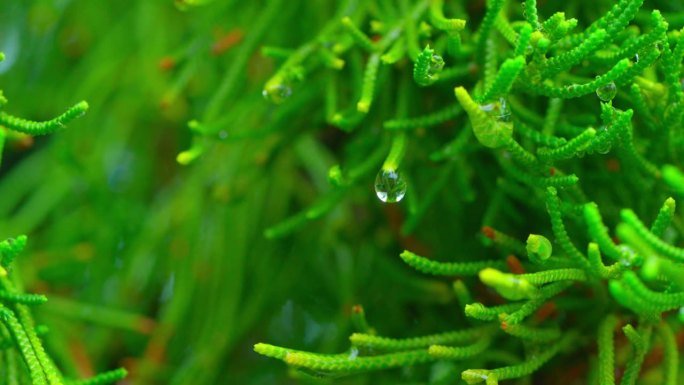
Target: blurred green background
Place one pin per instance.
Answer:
(164, 268)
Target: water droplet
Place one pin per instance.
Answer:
(353, 353)
(604, 148)
(436, 65)
(607, 92)
(628, 256)
(498, 110)
(390, 187)
(604, 143)
(487, 107)
(277, 93)
(504, 112)
(223, 134)
(529, 49)
(636, 58)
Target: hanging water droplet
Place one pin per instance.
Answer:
(636, 58)
(277, 93)
(436, 65)
(390, 187)
(607, 92)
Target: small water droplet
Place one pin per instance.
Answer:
(636, 58)
(353, 353)
(487, 107)
(628, 255)
(223, 134)
(277, 93)
(436, 65)
(604, 148)
(390, 187)
(498, 110)
(604, 143)
(607, 92)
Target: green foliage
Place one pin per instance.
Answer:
(534, 114)
(220, 191)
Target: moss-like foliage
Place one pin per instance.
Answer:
(570, 140)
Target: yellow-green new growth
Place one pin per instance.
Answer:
(508, 285)
(488, 131)
(538, 248)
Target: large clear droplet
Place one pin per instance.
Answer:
(277, 93)
(390, 187)
(607, 92)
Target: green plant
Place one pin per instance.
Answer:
(571, 119)
(24, 359)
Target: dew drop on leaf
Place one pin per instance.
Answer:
(607, 92)
(498, 111)
(277, 93)
(436, 65)
(390, 187)
(604, 143)
(628, 256)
